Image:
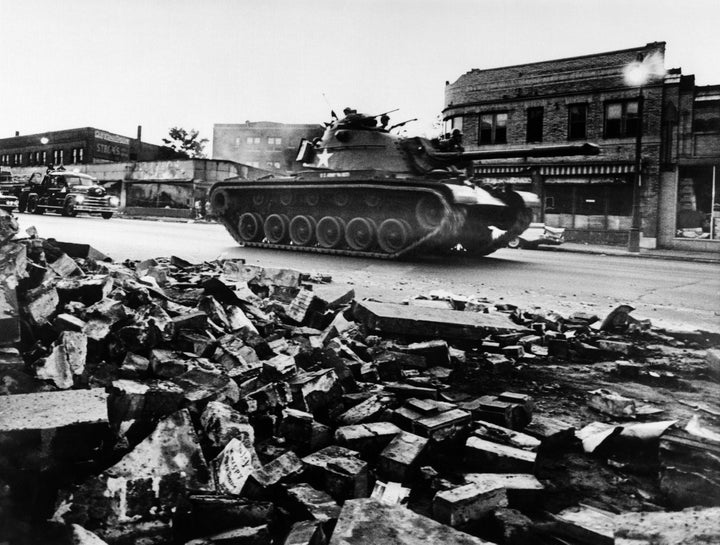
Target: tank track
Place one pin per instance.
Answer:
(428, 217)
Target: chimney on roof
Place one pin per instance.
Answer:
(139, 133)
(17, 133)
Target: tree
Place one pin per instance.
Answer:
(186, 143)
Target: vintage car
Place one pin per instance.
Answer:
(8, 202)
(536, 234)
(67, 193)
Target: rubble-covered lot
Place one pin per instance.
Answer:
(173, 402)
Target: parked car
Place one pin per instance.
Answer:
(536, 234)
(66, 193)
(8, 202)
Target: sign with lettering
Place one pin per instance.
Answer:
(114, 138)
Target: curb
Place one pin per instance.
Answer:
(641, 254)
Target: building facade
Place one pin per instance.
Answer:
(647, 128)
(86, 145)
(262, 144)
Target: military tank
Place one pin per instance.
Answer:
(367, 191)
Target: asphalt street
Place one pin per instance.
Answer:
(671, 294)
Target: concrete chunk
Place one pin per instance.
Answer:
(438, 323)
(442, 426)
(311, 502)
(144, 485)
(401, 456)
(221, 423)
(693, 526)
(523, 489)
(492, 457)
(339, 471)
(367, 521)
(469, 502)
(66, 361)
(368, 438)
(49, 410)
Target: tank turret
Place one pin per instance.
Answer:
(363, 190)
(358, 142)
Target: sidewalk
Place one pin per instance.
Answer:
(675, 255)
(574, 247)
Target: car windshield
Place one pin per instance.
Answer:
(76, 180)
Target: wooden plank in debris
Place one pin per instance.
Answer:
(431, 322)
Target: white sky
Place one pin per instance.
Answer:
(115, 64)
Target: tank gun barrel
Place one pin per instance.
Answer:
(453, 157)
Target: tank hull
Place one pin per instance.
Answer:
(355, 215)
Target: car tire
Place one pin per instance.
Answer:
(516, 243)
(106, 215)
(69, 209)
(32, 205)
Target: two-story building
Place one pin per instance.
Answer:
(647, 129)
(86, 145)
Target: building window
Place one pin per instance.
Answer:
(449, 125)
(274, 141)
(577, 121)
(493, 128)
(77, 155)
(17, 159)
(706, 116)
(252, 140)
(621, 119)
(58, 157)
(535, 124)
(698, 203)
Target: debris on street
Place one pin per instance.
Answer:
(165, 401)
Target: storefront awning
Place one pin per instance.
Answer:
(603, 169)
(584, 180)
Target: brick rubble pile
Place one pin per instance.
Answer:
(169, 402)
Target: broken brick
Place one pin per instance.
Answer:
(368, 438)
(467, 503)
(401, 456)
(493, 457)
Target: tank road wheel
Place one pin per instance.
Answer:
(219, 201)
(393, 235)
(312, 199)
(429, 212)
(341, 199)
(258, 199)
(250, 227)
(372, 200)
(330, 232)
(286, 198)
(360, 233)
(276, 228)
(302, 230)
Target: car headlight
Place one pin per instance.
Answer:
(114, 201)
(79, 199)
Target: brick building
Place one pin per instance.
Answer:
(587, 99)
(86, 145)
(262, 144)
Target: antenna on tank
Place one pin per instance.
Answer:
(332, 111)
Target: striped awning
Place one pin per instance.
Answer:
(598, 169)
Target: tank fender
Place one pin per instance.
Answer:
(530, 199)
(473, 195)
